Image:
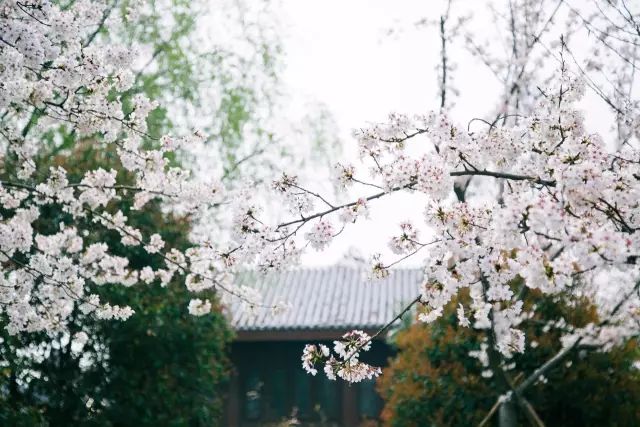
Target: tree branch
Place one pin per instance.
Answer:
(505, 175)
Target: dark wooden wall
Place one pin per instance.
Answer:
(269, 386)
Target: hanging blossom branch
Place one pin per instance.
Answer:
(347, 364)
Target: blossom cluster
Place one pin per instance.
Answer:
(321, 234)
(347, 364)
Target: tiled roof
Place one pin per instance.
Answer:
(337, 297)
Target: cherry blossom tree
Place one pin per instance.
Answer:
(557, 212)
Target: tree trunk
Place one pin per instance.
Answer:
(508, 414)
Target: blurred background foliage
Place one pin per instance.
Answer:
(433, 381)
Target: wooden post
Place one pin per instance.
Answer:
(233, 401)
(349, 405)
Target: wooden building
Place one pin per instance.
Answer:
(269, 385)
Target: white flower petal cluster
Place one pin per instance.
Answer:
(359, 209)
(320, 235)
(155, 244)
(378, 269)
(78, 342)
(407, 241)
(297, 199)
(347, 364)
(344, 174)
(313, 354)
(197, 307)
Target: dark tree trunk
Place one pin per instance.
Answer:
(508, 414)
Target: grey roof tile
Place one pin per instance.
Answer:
(335, 297)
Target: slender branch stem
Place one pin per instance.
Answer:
(346, 205)
(505, 175)
(384, 328)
